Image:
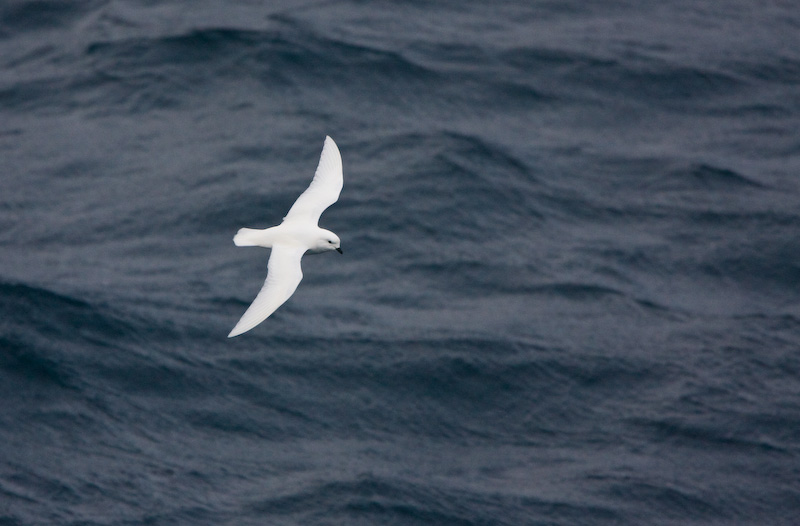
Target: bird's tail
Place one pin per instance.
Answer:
(248, 237)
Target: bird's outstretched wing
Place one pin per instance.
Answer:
(324, 189)
(283, 275)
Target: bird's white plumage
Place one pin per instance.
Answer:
(291, 239)
(324, 189)
(283, 276)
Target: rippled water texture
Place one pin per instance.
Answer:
(569, 289)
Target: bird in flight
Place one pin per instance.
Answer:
(297, 234)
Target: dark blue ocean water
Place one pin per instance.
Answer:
(570, 289)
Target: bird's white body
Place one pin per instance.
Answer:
(297, 234)
(289, 233)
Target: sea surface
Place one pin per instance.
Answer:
(570, 288)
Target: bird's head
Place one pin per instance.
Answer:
(329, 241)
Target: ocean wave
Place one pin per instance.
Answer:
(55, 320)
(408, 501)
(169, 72)
(21, 16)
(473, 175)
(642, 78)
(27, 363)
(51, 313)
(285, 58)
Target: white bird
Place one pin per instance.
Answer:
(291, 239)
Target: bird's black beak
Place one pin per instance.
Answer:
(339, 250)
